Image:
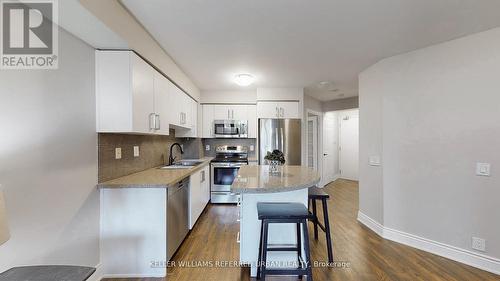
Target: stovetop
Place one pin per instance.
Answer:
(231, 154)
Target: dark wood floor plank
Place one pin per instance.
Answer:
(370, 257)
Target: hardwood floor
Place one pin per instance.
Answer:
(368, 256)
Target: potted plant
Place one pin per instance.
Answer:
(274, 159)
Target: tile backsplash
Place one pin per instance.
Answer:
(153, 152)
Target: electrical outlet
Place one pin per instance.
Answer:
(136, 151)
(252, 148)
(483, 169)
(207, 147)
(118, 153)
(478, 244)
(182, 146)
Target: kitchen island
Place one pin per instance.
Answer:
(257, 184)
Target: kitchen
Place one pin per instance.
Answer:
(187, 140)
(213, 148)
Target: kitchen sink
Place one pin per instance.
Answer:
(182, 164)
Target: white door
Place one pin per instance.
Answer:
(252, 121)
(349, 147)
(222, 112)
(289, 109)
(162, 103)
(142, 96)
(330, 147)
(208, 120)
(239, 112)
(266, 109)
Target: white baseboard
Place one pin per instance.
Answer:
(464, 256)
(97, 276)
(372, 224)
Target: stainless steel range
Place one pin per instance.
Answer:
(225, 166)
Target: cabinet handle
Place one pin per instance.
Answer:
(232, 113)
(238, 237)
(157, 122)
(277, 112)
(282, 112)
(152, 121)
(202, 176)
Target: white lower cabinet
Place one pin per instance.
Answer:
(199, 194)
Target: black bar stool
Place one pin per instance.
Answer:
(295, 213)
(316, 193)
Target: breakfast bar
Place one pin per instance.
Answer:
(260, 184)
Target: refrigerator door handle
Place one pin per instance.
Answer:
(282, 141)
(277, 140)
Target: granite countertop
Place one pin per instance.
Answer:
(154, 177)
(258, 179)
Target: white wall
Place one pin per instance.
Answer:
(48, 161)
(120, 21)
(431, 115)
(312, 104)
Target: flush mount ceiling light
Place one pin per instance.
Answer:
(244, 79)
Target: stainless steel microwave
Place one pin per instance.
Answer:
(230, 129)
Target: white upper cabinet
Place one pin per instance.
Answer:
(161, 101)
(252, 121)
(125, 96)
(207, 111)
(190, 128)
(212, 112)
(282, 109)
(132, 97)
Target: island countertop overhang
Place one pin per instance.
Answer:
(258, 179)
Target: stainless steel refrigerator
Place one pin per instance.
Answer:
(281, 134)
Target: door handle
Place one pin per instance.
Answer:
(152, 121)
(157, 122)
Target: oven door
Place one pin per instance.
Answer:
(226, 129)
(223, 175)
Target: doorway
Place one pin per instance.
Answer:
(349, 145)
(313, 140)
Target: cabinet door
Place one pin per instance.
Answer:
(252, 121)
(162, 103)
(238, 112)
(142, 96)
(208, 120)
(191, 130)
(289, 109)
(267, 109)
(194, 198)
(205, 186)
(222, 112)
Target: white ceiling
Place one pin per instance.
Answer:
(297, 43)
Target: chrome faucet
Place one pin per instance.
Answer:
(171, 159)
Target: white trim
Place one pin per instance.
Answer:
(98, 275)
(372, 224)
(464, 256)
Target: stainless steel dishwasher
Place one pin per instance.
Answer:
(177, 215)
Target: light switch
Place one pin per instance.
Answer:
(118, 153)
(136, 151)
(374, 161)
(207, 147)
(483, 169)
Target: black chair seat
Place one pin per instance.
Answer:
(282, 211)
(317, 193)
